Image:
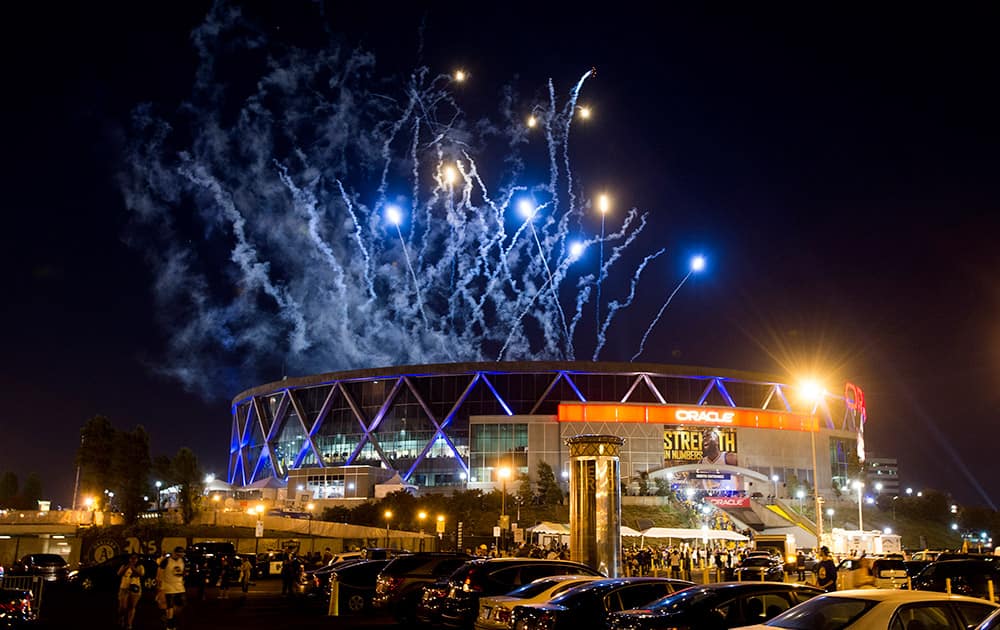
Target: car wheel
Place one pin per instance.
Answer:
(355, 603)
(87, 584)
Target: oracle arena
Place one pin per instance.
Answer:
(337, 436)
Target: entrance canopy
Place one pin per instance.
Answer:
(690, 534)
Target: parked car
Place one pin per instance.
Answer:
(880, 609)
(103, 577)
(991, 623)
(588, 605)
(355, 585)
(51, 567)
(400, 585)
(16, 608)
(493, 576)
(205, 561)
(759, 569)
(716, 606)
(497, 612)
(967, 577)
(871, 572)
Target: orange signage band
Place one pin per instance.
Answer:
(688, 415)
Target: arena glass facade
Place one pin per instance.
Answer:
(450, 425)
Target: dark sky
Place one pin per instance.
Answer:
(839, 169)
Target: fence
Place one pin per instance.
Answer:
(32, 583)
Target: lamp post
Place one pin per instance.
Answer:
(440, 530)
(89, 504)
(814, 393)
(829, 512)
(388, 519)
(310, 507)
(159, 484)
(422, 516)
(774, 480)
(215, 505)
(503, 473)
(799, 494)
(857, 485)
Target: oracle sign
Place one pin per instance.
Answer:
(705, 416)
(729, 502)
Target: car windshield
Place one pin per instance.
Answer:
(533, 588)
(829, 613)
(680, 601)
(48, 559)
(757, 562)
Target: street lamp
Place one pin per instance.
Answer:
(310, 507)
(388, 519)
(422, 516)
(774, 479)
(800, 494)
(857, 485)
(215, 504)
(503, 473)
(829, 512)
(159, 484)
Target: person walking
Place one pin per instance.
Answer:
(800, 565)
(246, 570)
(224, 570)
(826, 571)
(170, 582)
(129, 590)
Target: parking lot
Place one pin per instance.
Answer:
(263, 607)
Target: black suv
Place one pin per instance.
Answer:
(50, 567)
(968, 577)
(400, 585)
(495, 576)
(205, 562)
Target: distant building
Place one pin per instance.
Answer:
(883, 470)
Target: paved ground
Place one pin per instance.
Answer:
(264, 607)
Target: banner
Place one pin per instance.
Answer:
(685, 446)
(686, 415)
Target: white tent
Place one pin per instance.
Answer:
(545, 527)
(628, 531)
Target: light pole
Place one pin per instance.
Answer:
(159, 484)
(388, 519)
(857, 485)
(421, 517)
(829, 512)
(799, 494)
(814, 392)
(89, 504)
(503, 473)
(440, 530)
(310, 507)
(215, 504)
(774, 480)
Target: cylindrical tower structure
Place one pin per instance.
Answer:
(595, 501)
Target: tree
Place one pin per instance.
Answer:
(8, 489)
(524, 492)
(548, 488)
(187, 474)
(31, 492)
(131, 465)
(95, 457)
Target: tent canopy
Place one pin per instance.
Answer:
(628, 531)
(688, 534)
(546, 527)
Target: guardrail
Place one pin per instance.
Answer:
(32, 583)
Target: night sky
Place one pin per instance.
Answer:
(837, 169)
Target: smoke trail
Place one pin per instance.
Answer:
(616, 306)
(260, 206)
(642, 344)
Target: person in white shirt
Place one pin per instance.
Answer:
(129, 589)
(170, 580)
